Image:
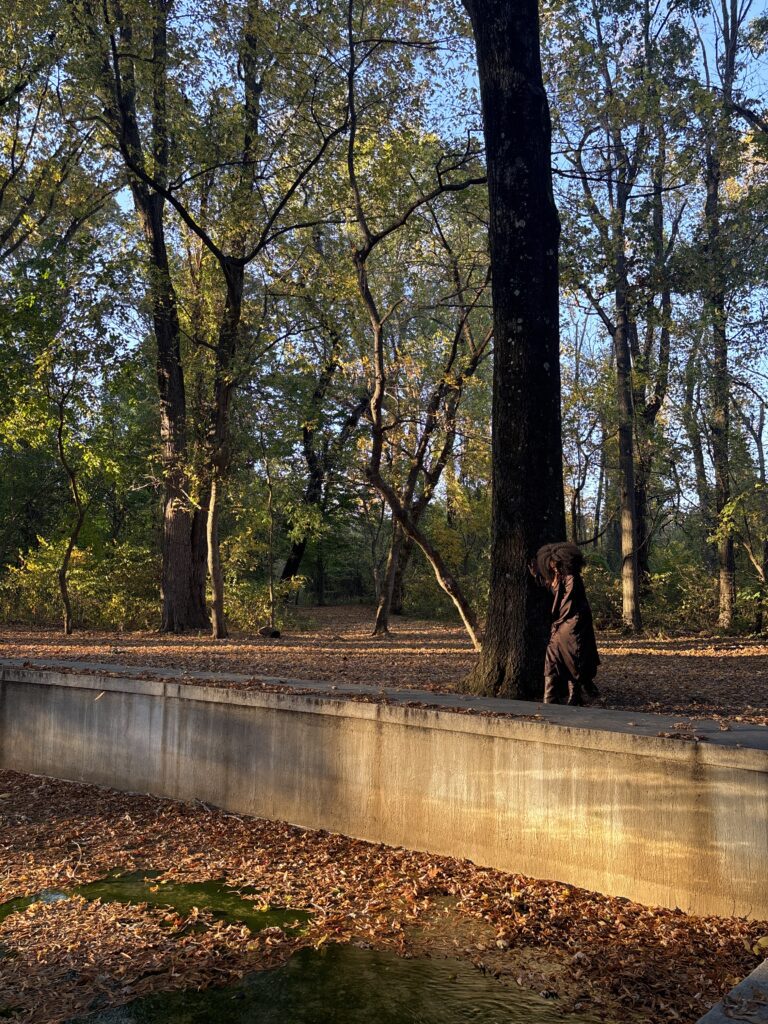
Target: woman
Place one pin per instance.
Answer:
(571, 661)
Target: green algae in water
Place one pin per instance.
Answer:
(347, 985)
(224, 903)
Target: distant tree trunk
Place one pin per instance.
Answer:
(527, 466)
(81, 509)
(398, 587)
(218, 624)
(313, 492)
(392, 595)
(642, 482)
(320, 578)
(320, 463)
(219, 453)
(294, 560)
(381, 625)
(693, 429)
(719, 422)
(630, 597)
(599, 495)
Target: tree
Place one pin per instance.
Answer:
(199, 117)
(528, 503)
(428, 180)
(67, 341)
(619, 71)
(108, 60)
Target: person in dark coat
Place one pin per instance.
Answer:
(571, 661)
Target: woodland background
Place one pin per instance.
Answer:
(211, 212)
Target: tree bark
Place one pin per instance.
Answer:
(294, 560)
(381, 625)
(182, 599)
(74, 534)
(719, 421)
(528, 502)
(182, 591)
(692, 425)
(219, 447)
(398, 585)
(218, 622)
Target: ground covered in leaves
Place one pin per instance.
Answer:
(705, 677)
(603, 956)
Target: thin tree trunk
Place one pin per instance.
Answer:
(381, 625)
(398, 587)
(719, 424)
(642, 480)
(630, 598)
(219, 444)
(64, 570)
(319, 578)
(599, 496)
(693, 433)
(218, 623)
(528, 502)
(199, 575)
(270, 542)
(81, 509)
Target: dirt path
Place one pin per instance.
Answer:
(687, 676)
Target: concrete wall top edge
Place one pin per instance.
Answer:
(521, 729)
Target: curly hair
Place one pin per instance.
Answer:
(568, 558)
(543, 558)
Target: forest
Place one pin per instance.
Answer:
(246, 329)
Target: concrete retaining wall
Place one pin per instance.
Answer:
(656, 820)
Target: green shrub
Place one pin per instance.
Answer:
(117, 591)
(246, 601)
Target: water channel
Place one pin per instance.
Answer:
(337, 984)
(347, 985)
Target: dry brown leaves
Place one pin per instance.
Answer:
(694, 676)
(598, 954)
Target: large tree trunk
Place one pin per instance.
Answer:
(183, 600)
(528, 503)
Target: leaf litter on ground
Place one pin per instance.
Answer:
(721, 678)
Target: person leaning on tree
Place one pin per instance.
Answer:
(571, 661)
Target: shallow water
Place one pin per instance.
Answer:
(347, 985)
(334, 985)
(141, 887)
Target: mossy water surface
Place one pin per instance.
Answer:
(341, 984)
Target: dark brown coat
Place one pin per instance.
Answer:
(572, 651)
